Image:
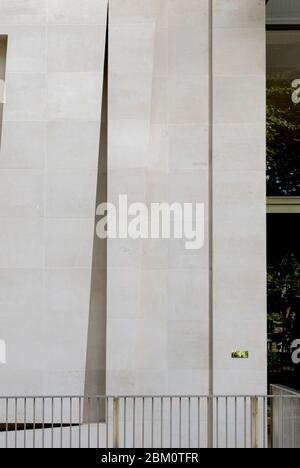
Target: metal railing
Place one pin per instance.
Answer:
(182, 422)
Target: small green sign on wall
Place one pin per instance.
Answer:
(240, 355)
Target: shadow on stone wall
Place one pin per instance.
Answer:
(95, 380)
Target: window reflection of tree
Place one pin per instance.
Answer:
(283, 140)
(283, 298)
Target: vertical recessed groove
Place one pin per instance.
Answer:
(211, 195)
(211, 222)
(95, 379)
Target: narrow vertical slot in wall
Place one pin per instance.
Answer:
(210, 421)
(95, 379)
(3, 54)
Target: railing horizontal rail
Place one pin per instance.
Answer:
(296, 395)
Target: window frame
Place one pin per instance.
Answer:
(283, 205)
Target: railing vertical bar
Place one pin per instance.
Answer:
(171, 422)
(125, 413)
(52, 422)
(278, 421)
(89, 422)
(290, 419)
(162, 421)
(16, 423)
(226, 422)
(189, 422)
(264, 422)
(236, 422)
(180, 421)
(71, 420)
(199, 422)
(210, 422)
(107, 421)
(43, 419)
(217, 422)
(152, 423)
(34, 423)
(254, 422)
(245, 422)
(25, 424)
(133, 416)
(143, 422)
(251, 422)
(98, 412)
(6, 423)
(61, 423)
(116, 420)
(79, 421)
(270, 405)
(282, 422)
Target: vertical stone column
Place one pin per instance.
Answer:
(158, 152)
(239, 203)
(76, 34)
(188, 120)
(22, 170)
(48, 173)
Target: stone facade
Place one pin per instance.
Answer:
(132, 316)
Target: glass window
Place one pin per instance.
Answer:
(284, 299)
(283, 189)
(283, 113)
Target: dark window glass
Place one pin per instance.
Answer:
(283, 113)
(284, 299)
